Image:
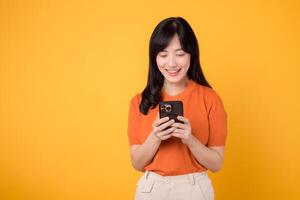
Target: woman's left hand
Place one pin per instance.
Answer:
(183, 131)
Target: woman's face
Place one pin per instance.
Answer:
(173, 62)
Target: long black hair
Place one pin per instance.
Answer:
(159, 40)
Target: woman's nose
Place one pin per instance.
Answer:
(171, 62)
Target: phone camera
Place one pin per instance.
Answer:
(166, 107)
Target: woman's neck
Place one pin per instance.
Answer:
(173, 89)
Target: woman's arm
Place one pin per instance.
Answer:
(142, 155)
(209, 157)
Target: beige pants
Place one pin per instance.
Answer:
(193, 186)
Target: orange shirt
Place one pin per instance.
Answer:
(203, 107)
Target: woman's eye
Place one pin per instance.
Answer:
(180, 54)
(162, 55)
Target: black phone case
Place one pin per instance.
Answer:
(171, 109)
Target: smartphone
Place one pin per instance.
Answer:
(171, 109)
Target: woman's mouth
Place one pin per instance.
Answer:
(173, 72)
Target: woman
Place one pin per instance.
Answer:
(175, 161)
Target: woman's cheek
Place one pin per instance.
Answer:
(160, 63)
(184, 59)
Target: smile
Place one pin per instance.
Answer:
(173, 72)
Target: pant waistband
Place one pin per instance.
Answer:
(190, 177)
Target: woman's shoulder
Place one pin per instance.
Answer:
(211, 98)
(136, 98)
(208, 93)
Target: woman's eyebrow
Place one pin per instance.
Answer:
(179, 49)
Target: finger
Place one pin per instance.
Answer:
(181, 118)
(178, 135)
(165, 132)
(160, 121)
(166, 124)
(156, 119)
(166, 137)
(179, 125)
(179, 131)
(164, 119)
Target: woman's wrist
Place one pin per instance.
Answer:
(154, 137)
(193, 142)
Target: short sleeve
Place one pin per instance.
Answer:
(217, 122)
(133, 121)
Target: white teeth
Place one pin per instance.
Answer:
(173, 71)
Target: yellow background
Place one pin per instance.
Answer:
(68, 70)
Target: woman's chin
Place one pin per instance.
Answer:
(174, 79)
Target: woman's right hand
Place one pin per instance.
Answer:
(159, 125)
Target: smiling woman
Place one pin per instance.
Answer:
(175, 156)
(173, 61)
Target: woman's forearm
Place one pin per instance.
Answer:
(144, 154)
(207, 157)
